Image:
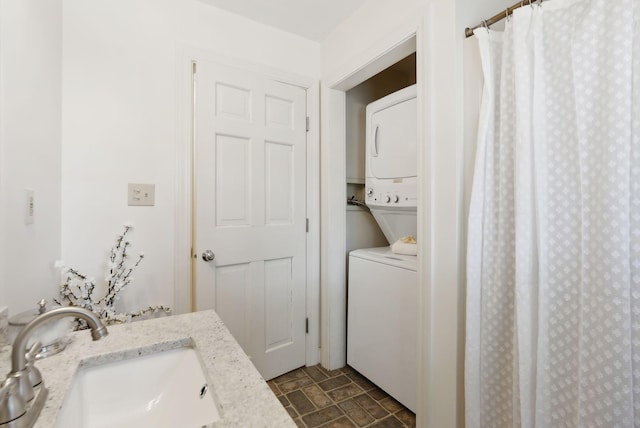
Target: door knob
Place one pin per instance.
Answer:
(208, 255)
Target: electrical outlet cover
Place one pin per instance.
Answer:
(140, 194)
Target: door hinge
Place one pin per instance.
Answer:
(307, 125)
(306, 326)
(307, 225)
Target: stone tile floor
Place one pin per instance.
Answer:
(315, 397)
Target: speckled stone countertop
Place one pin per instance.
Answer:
(244, 399)
(4, 326)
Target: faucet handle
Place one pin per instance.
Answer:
(35, 377)
(32, 353)
(42, 306)
(12, 406)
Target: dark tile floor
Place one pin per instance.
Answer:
(315, 397)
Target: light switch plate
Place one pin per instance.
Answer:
(142, 194)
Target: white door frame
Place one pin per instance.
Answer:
(183, 295)
(334, 196)
(408, 38)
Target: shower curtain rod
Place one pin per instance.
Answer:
(468, 32)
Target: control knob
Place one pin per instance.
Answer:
(396, 199)
(370, 191)
(388, 198)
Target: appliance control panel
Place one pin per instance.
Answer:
(380, 193)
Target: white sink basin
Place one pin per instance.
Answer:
(165, 389)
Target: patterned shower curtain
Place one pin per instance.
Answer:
(553, 290)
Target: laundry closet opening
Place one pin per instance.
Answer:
(362, 229)
(381, 229)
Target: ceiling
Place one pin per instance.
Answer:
(312, 19)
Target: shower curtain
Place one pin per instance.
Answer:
(553, 264)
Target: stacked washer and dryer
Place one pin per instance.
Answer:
(383, 286)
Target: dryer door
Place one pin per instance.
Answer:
(392, 141)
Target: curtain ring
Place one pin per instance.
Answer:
(484, 24)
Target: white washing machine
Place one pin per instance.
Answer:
(382, 307)
(383, 321)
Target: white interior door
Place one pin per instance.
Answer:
(250, 211)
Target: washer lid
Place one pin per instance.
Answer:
(386, 256)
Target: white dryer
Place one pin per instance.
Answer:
(383, 287)
(391, 163)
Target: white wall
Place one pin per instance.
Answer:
(121, 120)
(450, 65)
(30, 78)
(362, 34)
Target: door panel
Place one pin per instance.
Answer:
(232, 291)
(279, 183)
(280, 113)
(233, 181)
(233, 102)
(278, 312)
(250, 210)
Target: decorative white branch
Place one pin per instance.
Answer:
(78, 290)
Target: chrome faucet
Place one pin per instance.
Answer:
(18, 389)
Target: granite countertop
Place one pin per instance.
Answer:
(244, 399)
